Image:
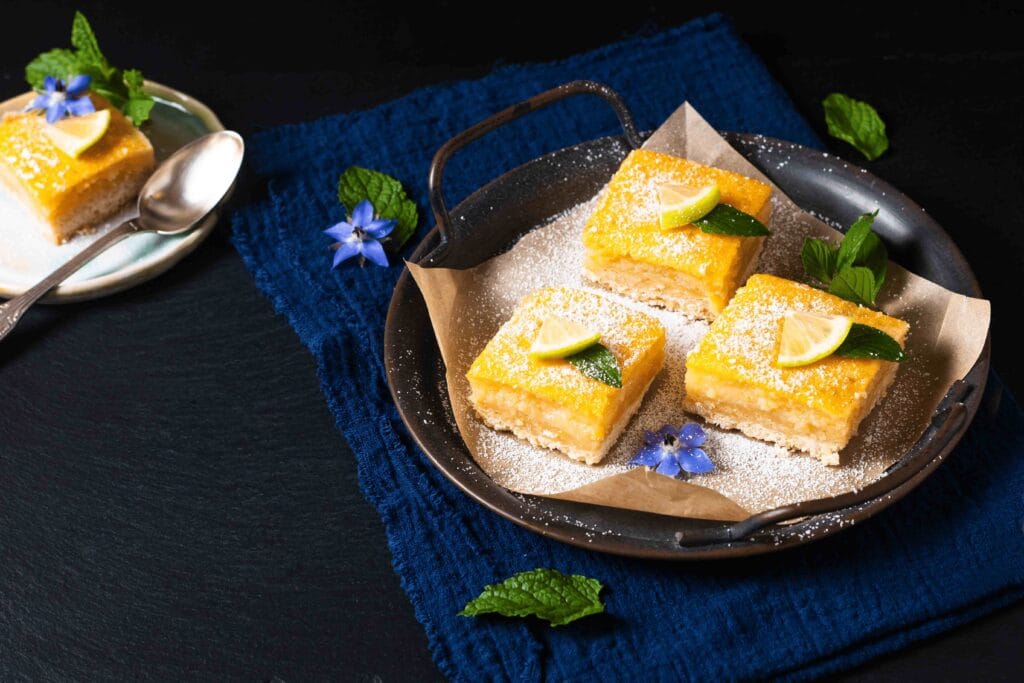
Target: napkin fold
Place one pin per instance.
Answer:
(949, 552)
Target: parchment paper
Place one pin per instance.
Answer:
(466, 308)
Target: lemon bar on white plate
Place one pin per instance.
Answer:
(70, 194)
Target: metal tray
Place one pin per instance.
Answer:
(478, 229)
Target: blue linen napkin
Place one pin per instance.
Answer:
(951, 551)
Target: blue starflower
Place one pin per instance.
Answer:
(59, 100)
(670, 451)
(360, 236)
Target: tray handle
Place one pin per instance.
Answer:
(437, 204)
(946, 420)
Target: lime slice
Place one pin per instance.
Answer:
(76, 134)
(683, 204)
(808, 337)
(559, 338)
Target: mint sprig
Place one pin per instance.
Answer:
(856, 284)
(387, 196)
(728, 220)
(856, 269)
(122, 88)
(597, 362)
(864, 341)
(819, 259)
(545, 593)
(857, 123)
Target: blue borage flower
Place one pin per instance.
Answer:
(59, 99)
(670, 450)
(360, 236)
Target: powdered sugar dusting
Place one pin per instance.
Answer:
(754, 474)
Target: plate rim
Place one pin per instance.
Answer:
(141, 269)
(575, 535)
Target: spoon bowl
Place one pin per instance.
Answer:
(190, 183)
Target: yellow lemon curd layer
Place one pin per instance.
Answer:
(56, 186)
(742, 344)
(637, 341)
(625, 224)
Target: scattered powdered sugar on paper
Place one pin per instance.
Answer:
(754, 474)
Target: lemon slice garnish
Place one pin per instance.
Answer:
(75, 134)
(683, 204)
(559, 338)
(809, 337)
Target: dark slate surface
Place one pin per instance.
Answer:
(175, 500)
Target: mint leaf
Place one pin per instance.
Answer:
(122, 89)
(114, 90)
(84, 41)
(862, 247)
(137, 109)
(59, 63)
(819, 259)
(857, 123)
(597, 362)
(851, 248)
(728, 220)
(139, 104)
(861, 260)
(387, 196)
(868, 342)
(875, 258)
(545, 593)
(856, 284)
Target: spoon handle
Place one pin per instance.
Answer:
(11, 312)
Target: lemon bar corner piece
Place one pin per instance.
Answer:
(682, 269)
(551, 403)
(732, 379)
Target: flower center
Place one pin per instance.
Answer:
(670, 442)
(358, 235)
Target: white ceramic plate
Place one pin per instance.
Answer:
(26, 256)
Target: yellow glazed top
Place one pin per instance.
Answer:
(630, 335)
(625, 223)
(743, 342)
(48, 175)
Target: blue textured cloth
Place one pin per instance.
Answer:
(949, 552)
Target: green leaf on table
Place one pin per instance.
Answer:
(122, 88)
(857, 123)
(387, 196)
(597, 362)
(545, 593)
(864, 341)
(856, 284)
(728, 220)
(819, 259)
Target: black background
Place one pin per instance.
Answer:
(174, 499)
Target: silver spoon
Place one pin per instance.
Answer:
(180, 193)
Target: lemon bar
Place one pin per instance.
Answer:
(732, 379)
(551, 403)
(682, 269)
(68, 194)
